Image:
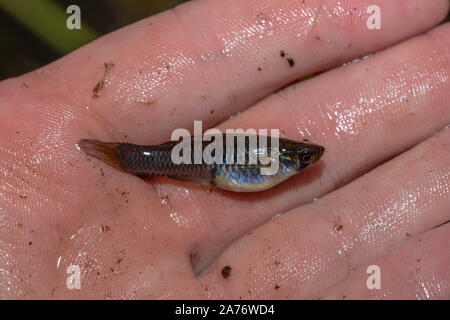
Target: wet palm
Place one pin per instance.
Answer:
(159, 238)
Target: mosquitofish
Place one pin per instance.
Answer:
(232, 173)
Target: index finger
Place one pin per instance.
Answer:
(210, 59)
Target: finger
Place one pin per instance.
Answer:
(416, 269)
(203, 57)
(312, 247)
(361, 123)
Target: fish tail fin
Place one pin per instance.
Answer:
(104, 151)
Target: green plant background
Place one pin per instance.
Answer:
(31, 33)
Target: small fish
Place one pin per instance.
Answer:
(244, 176)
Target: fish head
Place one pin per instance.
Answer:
(300, 155)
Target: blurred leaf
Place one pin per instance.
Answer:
(48, 22)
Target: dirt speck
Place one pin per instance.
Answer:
(98, 87)
(259, 69)
(101, 84)
(194, 258)
(277, 262)
(104, 228)
(337, 226)
(318, 38)
(119, 260)
(165, 200)
(25, 85)
(23, 196)
(212, 111)
(226, 272)
(147, 102)
(305, 140)
(30, 243)
(291, 62)
(20, 225)
(277, 286)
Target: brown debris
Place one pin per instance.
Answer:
(290, 60)
(226, 272)
(101, 84)
(104, 228)
(147, 102)
(337, 226)
(194, 259)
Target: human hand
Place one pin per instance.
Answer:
(382, 184)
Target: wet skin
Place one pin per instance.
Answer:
(378, 196)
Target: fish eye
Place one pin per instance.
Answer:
(306, 158)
